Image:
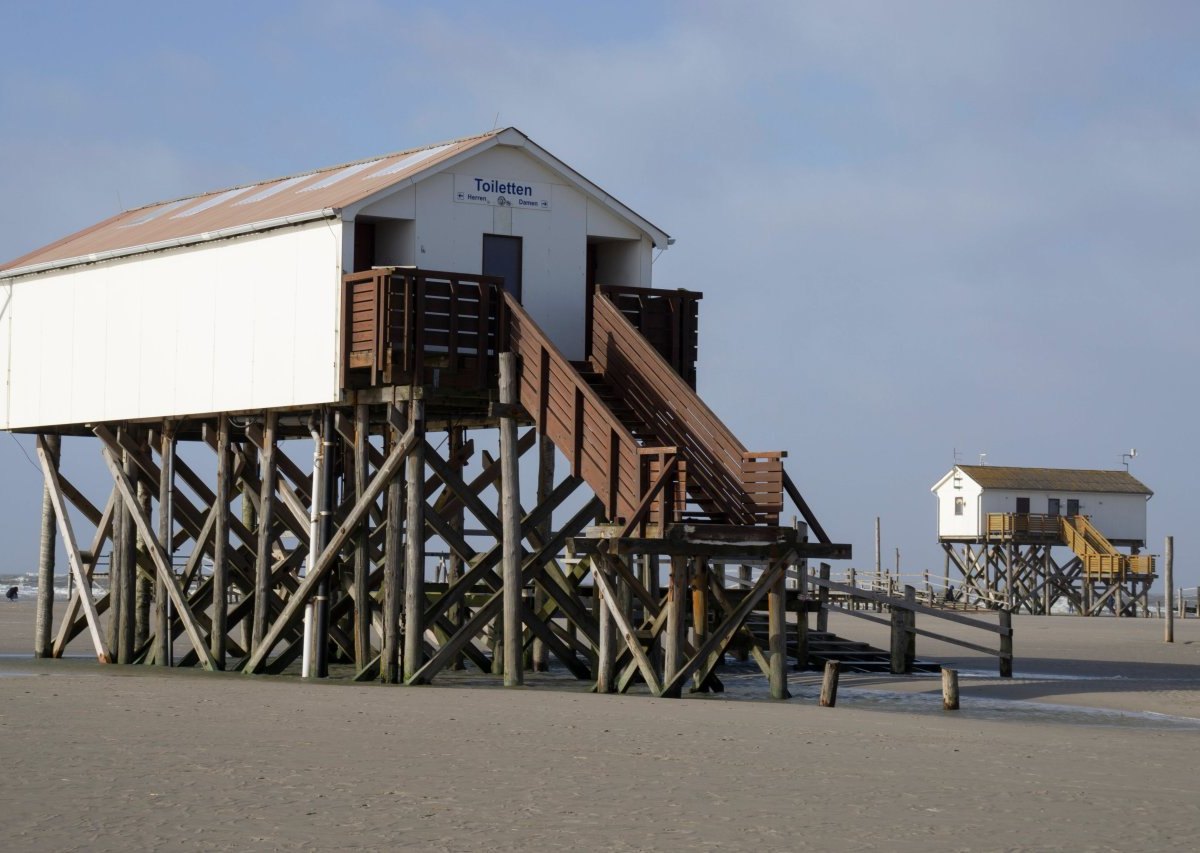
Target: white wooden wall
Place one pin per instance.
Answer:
(237, 324)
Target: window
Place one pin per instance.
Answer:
(1023, 506)
(1052, 506)
(1072, 506)
(959, 505)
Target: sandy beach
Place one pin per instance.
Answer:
(1093, 746)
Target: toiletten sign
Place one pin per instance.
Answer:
(501, 192)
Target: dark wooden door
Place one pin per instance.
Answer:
(502, 258)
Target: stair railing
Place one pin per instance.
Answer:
(746, 487)
(638, 485)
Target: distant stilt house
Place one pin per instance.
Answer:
(478, 284)
(1000, 526)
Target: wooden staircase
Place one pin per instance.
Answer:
(1100, 559)
(637, 432)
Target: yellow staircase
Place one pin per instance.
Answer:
(1100, 559)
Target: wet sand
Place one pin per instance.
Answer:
(120, 758)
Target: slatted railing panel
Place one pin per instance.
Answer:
(668, 319)
(747, 487)
(598, 446)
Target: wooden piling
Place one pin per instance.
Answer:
(143, 585)
(454, 568)
(823, 599)
(414, 550)
(673, 651)
(266, 518)
(510, 522)
(128, 573)
(42, 641)
(393, 562)
(1169, 589)
(1006, 644)
(163, 652)
(949, 689)
(910, 629)
(220, 572)
(777, 637)
(829, 684)
(606, 656)
(540, 656)
(362, 552)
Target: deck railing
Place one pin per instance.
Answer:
(668, 319)
(1024, 526)
(746, 487)
(406, 325)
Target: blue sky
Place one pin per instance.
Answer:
(919, 227)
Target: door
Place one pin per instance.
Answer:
(502, 258)
(1072, 507)
(1023, 506)
(1052, 506)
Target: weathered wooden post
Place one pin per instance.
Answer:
(743, 654)
(163, 652)
(510, 520)
(414, 550)
(144, 586)
(128, 567)
(949, 689)
(545, 485)
(42, 642)
(910, 629)
(454, 569)
(673, 653)
(393, 561)
(218, 635)
(328, 499)
(1169, 588)
(362, 549)
(829, 684)
(899, 638)
(823, 599)
(266, 520)
(606, 654)
(1006, 644)
(777, 637)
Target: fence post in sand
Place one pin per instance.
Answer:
(910, 629)
(823, 598)
(42, 643)
(1169, 588)
(829, 684)
(949, 689)
(1006, 644)
(899, 638)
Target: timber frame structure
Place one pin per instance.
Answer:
(1014, 566)
(330, 564)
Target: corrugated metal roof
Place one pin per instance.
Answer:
(331, 188)
(1055, 479)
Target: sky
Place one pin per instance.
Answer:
(925, 231)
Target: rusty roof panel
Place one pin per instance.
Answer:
(329, 189)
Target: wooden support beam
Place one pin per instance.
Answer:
(83, 583)
(510, 522)
(266, 521)
(70, 627)
(182, 608)
(42, 646)
(709, 653)
(125, 566)
(393, 577)
(777, 636)
(163, 652)
(362, 557)
(607, 563)
(545, 485)
(673, 654)
(606, 662)
(219, 636)
(414, 547)
(328, 556)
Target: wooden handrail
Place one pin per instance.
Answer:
(746, 487)
(599, 448)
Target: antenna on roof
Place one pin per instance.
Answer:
(1125, 457)
(982, 459)
(496, 123)
(957, 456)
